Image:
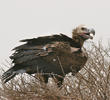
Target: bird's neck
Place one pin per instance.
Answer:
(78, 40)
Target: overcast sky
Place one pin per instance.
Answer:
(20, 19)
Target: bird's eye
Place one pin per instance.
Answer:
(83, 28)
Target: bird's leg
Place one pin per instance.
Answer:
(59, 81)
(45, 78)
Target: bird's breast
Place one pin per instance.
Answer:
(68, 61)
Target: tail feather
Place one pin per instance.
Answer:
(9, 74)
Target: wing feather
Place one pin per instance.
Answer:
(48, 39)
(42, 53)
(28, 54)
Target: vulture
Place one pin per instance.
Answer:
(54, 55)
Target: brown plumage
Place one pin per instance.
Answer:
(57, 54)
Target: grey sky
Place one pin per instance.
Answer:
(21, 19)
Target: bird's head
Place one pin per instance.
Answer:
(83, 32)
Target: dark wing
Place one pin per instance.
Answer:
(47, 39)
(43, 52)
(27, 59)
(29, 52)
(34, 52)
(35, 47)
(57, 55)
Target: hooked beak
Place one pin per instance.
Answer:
(89, 34)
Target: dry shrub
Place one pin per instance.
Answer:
(91, 83)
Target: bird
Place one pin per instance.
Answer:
(54, 55)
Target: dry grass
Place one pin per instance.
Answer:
(91, 83)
